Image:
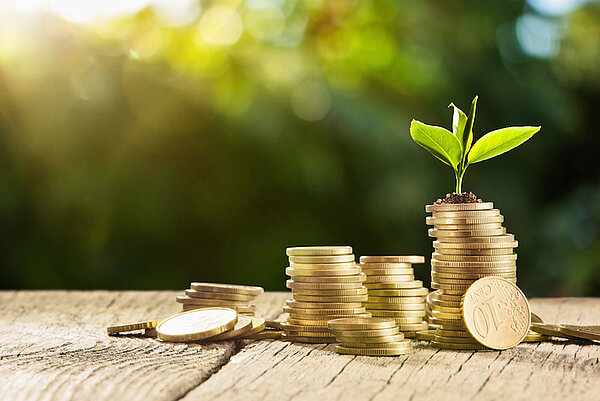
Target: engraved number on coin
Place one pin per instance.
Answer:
(483, 314)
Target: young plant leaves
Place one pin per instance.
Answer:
(459, 119)
(438, 141)
(499, 141)
(467, 138)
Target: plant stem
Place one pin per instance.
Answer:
(459, 178)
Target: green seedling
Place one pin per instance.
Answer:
(454, 148)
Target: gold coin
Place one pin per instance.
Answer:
(463, 220)
(446, 315)
(441, 246)
(472, 227)
(323, 305)
(535, 318)
(211, 302)
(453, 333)
(300, 327)
(533, 337)
(319, 298)
(460, 287)
(322, 259)
(392, 306)
(196, 324)
(506, 238)
(468, 276)
(369, 341)
(475, 252)
(591, 333)
(307, 333)
(318, 250)
(265, 335)
(388, 272)
(425, 335)
(322, 266)
(356, 278)
(340, 349)
(273, 324)
(453, 207)
(314, 318)
(416, 292)
(413, 259)
(389, 279)
(247, 310)
(353, 323)
(399, 344)
(313, 311)
(475, 270)
(394, 285)
(397, 313)
(496, 313)
(225, 296)
(302, 339)
(324, 286)
(551, 330)
(258, 325)
(455, 340)
(355, 291)
(469, 258)
(409, 320)
(375, 266)
(323, 272)
(396, 300)
(481, 265)
(457, 346)
(123, 328)
(470, 214)
(413, 327)
(367, 332)
(447, 309)
(243, 326)
(437, 233)
(228, 288)
(304, 322)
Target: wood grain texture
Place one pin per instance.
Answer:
(280, 370)
(53, 346)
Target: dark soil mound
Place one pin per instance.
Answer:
(465, 197)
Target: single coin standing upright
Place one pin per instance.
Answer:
(496, 313)
(241, 298)
(393, 291)
(325, 284)
(466, 249)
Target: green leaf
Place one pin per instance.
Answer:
(438, 141)
(467, 138)
(459, 120)
(499, 141)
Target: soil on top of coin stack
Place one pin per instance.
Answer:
(453, 198)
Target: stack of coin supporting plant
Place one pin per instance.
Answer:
(394, 292)
(326, 284)
(471, 244)
(369, 336)
(237, 297)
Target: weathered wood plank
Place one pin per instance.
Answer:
(53, 345)
(276, 370)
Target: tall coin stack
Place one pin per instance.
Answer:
(326, 284)
(471, 244)
(237, 297)
(394, 292)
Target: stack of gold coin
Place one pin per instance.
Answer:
(326, 284)
(394, 292)
(471, 243)
(429, 309)
(369, 336)
(237, 297)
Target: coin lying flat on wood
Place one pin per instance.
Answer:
(228, 288)
(243, 326)
(196, 324)
(127, 327)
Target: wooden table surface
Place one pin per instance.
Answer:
(53, 346)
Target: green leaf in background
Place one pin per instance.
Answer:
(499, 141)
(459, 120)
(438, 141)
(467, 138)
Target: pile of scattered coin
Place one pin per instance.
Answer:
(393, 291)
(326, 284)
(369, 336)
(471, 244)
(237, 297)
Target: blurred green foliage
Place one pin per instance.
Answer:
(138, 154)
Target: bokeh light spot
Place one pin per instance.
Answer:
(311, 101)
(221, 25)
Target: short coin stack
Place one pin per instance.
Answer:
(369, 336)
(326, 284)
(471, 244)
(394, 292)
(237, 297)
